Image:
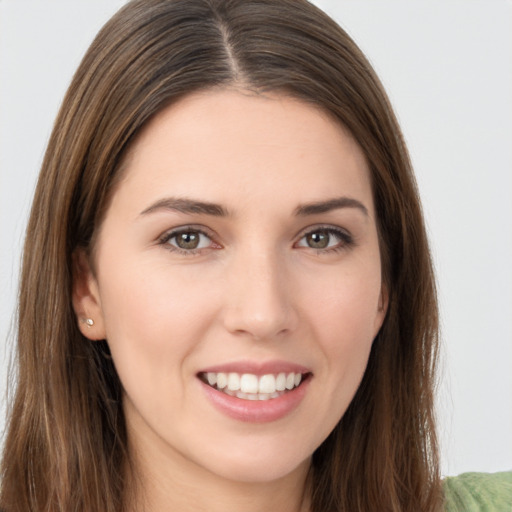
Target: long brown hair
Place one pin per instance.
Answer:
(66, 446)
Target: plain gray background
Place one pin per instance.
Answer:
(447, 66)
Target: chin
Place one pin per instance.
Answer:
(264, 467)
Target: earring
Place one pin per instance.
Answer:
(88, 321)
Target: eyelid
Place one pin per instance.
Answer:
(346, 238)
(325, 227)
(164, 238)
(183, 229)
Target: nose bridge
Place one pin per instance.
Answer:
(259, 303)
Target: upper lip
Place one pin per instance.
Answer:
(257, 368)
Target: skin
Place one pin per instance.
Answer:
(255, 290)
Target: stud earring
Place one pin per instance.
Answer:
(88, 321)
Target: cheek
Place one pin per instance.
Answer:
(343, 319)
(152, 321)
(345, 306)
(151, 298)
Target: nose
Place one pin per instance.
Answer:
(258, 297)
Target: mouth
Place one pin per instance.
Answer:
(249, 386)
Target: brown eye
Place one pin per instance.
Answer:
(326, 239)
(189, 240)
(318, 239)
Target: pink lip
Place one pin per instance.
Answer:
(257, 411)
(257, 368)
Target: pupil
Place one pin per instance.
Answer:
(187, 240)
(318, 240)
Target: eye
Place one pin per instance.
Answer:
(187, 240)
(326, 239)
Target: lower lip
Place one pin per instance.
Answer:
(256, 411)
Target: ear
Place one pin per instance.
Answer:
(382, 309)
(86, 298)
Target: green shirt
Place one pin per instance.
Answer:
(479, 492)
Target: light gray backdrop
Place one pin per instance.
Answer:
(447, 66)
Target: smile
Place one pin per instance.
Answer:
(248, 386)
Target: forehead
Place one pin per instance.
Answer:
(236, 147)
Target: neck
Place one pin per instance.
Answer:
(166, 495)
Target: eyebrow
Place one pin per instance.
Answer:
(183, 205)
(329, 205)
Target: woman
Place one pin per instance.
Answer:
(227, 297)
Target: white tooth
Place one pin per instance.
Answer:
(222, 380)
(267, 384)
(240, 394)
(281, 382)
(290, 381)
(274, 395)
(212, 378)
(263, 396)
(298, 378)
(229, 392)
(233, 381)
(252, 397)
(249, 383)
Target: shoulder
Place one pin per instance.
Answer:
(478, 492)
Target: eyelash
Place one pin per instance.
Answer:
(345, 240)
(167, 237)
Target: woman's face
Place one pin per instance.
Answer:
(238, 258)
